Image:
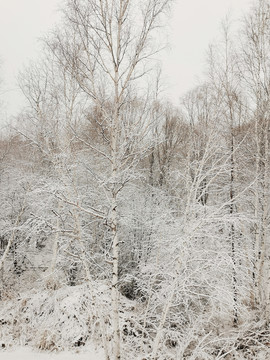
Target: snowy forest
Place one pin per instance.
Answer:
(128, 223)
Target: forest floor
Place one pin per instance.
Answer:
(25, 353)
(64, 324)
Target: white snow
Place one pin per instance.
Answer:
(23, 353)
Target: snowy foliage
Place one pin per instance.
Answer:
(128, 223)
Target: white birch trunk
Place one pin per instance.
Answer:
(89, 280)
(262, 266)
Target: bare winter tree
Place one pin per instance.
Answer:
(255, 62)
(223, 73)
(106, 46)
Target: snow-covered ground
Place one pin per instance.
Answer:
(24, 353)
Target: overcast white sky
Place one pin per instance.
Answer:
(195, 23)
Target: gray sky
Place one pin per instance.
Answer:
(195, 23)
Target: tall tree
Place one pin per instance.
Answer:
(106, 46)
(256, 79)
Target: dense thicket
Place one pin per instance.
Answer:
(156, 216)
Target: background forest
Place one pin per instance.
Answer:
(127, 221)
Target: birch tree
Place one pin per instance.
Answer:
(223, 73)
(106, 45)
(255, 62)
